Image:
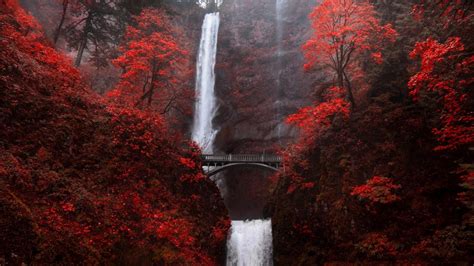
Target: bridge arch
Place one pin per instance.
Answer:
(219, 169)
(218, 163)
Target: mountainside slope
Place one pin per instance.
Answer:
(85, 181)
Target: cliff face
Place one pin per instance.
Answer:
(259, 81)
(325, 223)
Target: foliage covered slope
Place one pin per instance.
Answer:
(389, 180)
(83, 181)
(372, 190)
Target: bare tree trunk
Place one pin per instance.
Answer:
(152, 87)
(61, 22)
(340, 79)
(350, 96)
(149, 94)
(83, 44)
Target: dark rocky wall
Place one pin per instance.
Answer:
(257, 88)
(248, 73)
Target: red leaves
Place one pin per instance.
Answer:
(308, 185)
(377, 245)
(21, 30)
(219, 232)
(313, 120)
(377, 56)
(177, 231)
(447, 72)
(150, 57)
(378, 189)
(432, 52)
(68, 207)
(138, 131)
(96, 180)
(344, 29)
(187, 163)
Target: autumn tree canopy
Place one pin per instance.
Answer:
(344, 30)
(85, 181)
(446, 71)
(151, 57)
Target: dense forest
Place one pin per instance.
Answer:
(366, 108)
(89, 179)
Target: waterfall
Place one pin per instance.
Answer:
(203, 132)
(280, 7)
(205, 3)
(250, 243)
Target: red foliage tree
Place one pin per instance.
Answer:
(378, 189)
(343, 30)
(446, 73)
(312, 121)
(151, 58)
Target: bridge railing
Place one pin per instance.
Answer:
(271, 158)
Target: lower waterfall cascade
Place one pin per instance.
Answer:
(250, 243)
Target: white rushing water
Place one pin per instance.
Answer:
(203, 132)
(250, 243)
(205, 3)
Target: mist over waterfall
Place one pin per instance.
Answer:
(250, 243)
(280, 7)
(203, 132)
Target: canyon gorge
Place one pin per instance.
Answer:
(109, 108)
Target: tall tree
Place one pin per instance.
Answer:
(151, 58)
(96, 26)
(344, 30)
(57, 33)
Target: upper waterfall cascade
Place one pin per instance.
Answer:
(280, 8)
(203, 131)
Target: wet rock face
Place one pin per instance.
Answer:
(259, 81)
(246, 190)
(259, 77)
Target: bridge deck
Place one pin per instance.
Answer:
(241, 158)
